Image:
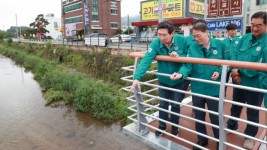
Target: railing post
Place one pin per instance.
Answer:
(222, 137)
(142, 129)
(266, 125)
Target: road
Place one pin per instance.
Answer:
(125, 45)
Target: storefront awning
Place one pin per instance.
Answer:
(155, 22)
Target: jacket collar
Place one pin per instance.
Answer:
(212, 44)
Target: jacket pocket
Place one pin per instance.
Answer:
(256, 55)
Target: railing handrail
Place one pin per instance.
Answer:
(214, 62)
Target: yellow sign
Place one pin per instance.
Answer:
(171, 9)
(196, 7)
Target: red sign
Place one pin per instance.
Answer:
(224, 8)
(236, 7)
(213, 8)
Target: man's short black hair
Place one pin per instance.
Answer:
(200, 25)
(199, 21)
(166, 25)
(231, 26)
(260, 14)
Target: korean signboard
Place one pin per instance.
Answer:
(213, 8)
(224, 8)
(236, 7)
(171, 9)
(196, 7)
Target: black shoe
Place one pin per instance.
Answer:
(161, 127)
(200, 143)
(174, 131)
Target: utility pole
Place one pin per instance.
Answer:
(62, 23)
(128, 24)
(160, 11)
(244, 17)
(20, 31)
(205, 10)
(17, 27)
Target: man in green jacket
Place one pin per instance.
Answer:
(250, 49)
(232, 40)
(210, 48)
(231, 43)
(169, 44)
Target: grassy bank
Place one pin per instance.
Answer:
(75, 78)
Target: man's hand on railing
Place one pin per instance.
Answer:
(235, 76)
(176, 76)
(215, 75)
(135, 83)
(174, 54)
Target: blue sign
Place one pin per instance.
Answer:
(215, 25)
(86, 15)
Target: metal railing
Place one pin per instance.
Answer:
(142, 106)
(124, 43)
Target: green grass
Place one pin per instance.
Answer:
(60, 82)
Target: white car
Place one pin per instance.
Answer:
(124, 38)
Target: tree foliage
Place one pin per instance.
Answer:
(5, 35)
(130, 31)
(39, 24)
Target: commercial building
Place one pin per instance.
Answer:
(255, 6)
(181, 12)
(53, 27)
(82, 17)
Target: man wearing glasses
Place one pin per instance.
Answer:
(250, 48)
(169, 44)
(209, 48)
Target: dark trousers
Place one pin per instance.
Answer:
(251, 98)
(200, 115)
(227, 80)
(171, 95)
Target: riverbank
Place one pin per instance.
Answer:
(89, 81)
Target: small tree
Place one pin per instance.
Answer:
(118, 31)
(40, 23)
(130, 31)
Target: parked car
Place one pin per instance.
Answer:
(116, 38)
(147, 37)
(96, 39)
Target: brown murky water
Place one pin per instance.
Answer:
(27, 124)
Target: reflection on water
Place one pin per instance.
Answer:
(25, 122)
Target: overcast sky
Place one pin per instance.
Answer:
(27, 10)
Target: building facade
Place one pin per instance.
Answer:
(53, 27)
(181, 12)
(82, 17)
(255, 6)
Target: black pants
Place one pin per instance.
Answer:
(200, 115)
(251, 98)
